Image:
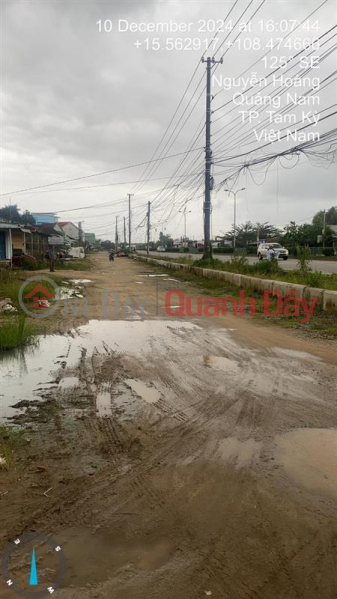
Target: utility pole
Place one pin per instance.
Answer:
(324, 219)
(148, 227)
(129, 196)
(116, 234)
(124, 233)
(80, 233)
(208, 159)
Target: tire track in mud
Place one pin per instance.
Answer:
(282, 561)
(257, 413)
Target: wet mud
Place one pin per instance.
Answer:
(181, 458)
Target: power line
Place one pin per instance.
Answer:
(122, 168)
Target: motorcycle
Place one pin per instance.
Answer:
(111, 257)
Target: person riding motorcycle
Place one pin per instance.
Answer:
(111, 256)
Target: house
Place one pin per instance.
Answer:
(12, 236)
(37, 245)
(42, 218)
(69, 229)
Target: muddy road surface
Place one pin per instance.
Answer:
(171, 457)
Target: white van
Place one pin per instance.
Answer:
(76, 253)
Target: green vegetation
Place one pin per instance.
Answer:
(268, 269)
(11, 281)
(15, 331)
(29, 265)
(10, 441)
(321, 324)
(83, 264)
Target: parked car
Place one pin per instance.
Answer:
(19, 256)
(161, 248)
(280, 251)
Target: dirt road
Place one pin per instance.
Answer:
(173, 458)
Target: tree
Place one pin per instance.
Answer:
(244, 234)
(165, 240)
(247, 233)
(27, 218)
(267, 231)
(330, 217)
(301, 235)
(12, 214)
(107, 245)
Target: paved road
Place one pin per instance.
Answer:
(328, 267)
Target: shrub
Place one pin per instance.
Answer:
(223, 250)
(304, 257)
(30, 265)
(267, 267)
(15, 332)
(80, 264)
(239, 261)
(314, 279)
(328, 252)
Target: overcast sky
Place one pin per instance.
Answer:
(77, 101)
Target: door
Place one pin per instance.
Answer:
(2, 246)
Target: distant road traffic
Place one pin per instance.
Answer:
(327, 267)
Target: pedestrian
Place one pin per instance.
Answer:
(270, 253)
(51, 259)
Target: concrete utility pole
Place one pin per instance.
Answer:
(148, 227)
(80, 233)
(208, 159)
(234, 194)
(129, 196)
(124, 233)
(116, 234)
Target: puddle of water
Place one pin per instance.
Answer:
(148, 275)
(125, 402)
(103, 403)
(149, 394)
(292, 353)
(240, 453)
(23, 373)
(139, 283)
(68, 382)
(309, 458)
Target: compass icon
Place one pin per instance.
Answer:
(33, 565)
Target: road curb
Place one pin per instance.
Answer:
(326, 299)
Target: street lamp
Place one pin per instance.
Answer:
(234, 194)
(184, 213)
